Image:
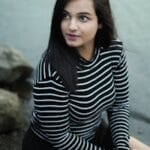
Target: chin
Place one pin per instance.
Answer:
(71, 44)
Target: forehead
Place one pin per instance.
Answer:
(76, 6)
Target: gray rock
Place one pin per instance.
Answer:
(10, 112)
(15, 72)
(13, 65)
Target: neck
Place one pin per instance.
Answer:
(86, 52)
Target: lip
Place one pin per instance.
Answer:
(72, 37)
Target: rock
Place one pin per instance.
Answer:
(15, 72)
(23, 88)
(13, 65)
(10, 112)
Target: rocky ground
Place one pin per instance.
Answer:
(13, 140)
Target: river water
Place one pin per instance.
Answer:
(25, 25)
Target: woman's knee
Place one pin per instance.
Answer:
(135, 144)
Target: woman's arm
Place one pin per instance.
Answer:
(119, 113)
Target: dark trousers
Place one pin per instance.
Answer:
(103, 137)
(33, 142)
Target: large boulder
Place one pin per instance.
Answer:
(15, 72)
(11, 116)
(13, 65)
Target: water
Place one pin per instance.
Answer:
(25, 24)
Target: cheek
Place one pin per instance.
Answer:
(64, 25)
(90, 30)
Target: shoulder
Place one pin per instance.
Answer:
(114, 52)
(44, 70)
(116, 43)
(118, 56)
(115, 47)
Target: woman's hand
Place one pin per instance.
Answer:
(137, 145)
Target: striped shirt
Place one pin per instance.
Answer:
(68, 120)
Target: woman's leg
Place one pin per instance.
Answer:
(137, 145)
(32, 142)
(103, 136)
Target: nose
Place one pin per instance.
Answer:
(73, 25)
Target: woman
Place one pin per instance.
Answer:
(82, 74)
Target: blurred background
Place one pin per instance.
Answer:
(25, 25)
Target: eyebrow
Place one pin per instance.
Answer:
(84, 13)
(79, 13)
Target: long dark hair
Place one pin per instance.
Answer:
(64, 58)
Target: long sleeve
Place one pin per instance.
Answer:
(119, 113)
(51, 104)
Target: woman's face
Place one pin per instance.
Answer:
(79, 24)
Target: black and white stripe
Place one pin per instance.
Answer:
(69, 120)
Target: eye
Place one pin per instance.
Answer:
(65, 16)
(83, 18)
